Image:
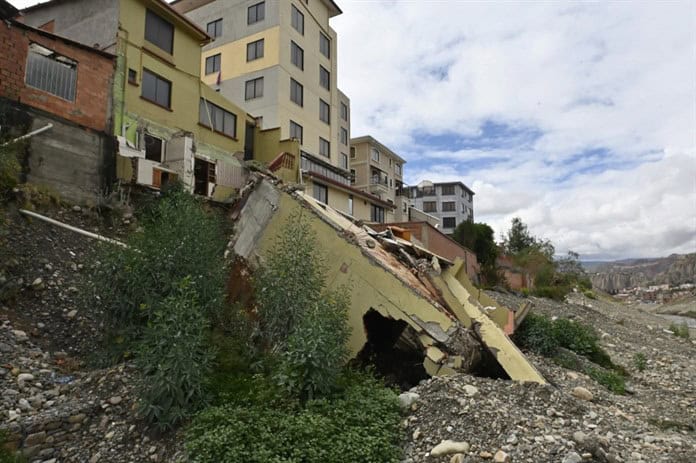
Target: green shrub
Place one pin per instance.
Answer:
(557, 293)
(681, 330)
(610, 379)
(360, 426)
(640, 361)
(178, 240)
(589, 294)
(7, 455)
(537, 334)
(300, 321)
(9, 168)
(174, 360)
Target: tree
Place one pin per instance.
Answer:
(518, 237)
(478, 237)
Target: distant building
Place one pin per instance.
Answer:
(451, 202)
(379, 171)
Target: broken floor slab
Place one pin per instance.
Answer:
(433, 307)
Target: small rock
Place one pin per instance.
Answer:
(572, 457)
(407, 399)
(486, 455)
(76, 208)
(72, 313)
(20, 335)
(449, 447)
(501, 457)
(79, 418)
(24, 377)
(470, 390)
(457, 458)
(416, 434)
(582, 393)
(115, 400)
(110, 435)
(579, 437)
(38, 283)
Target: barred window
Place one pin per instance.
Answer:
(51, 72)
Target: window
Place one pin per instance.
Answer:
(375, 155)
(212, 64)
(256, 13)
(447, 190)
(321, 193)
(153, 148)
(253, 88)
(50, 72)
(324, 45)
(296, 55)
(324, 147)
(296, 131)
(216, 118)
(377, 214)
(297, 20)
(429, 206)
(344, 111)
(352, 176)
(159, 32)
(449, 206)
(352, 152)
(296, 92)
(156, 89)
(324, 111)
(350, 204)
(344, 160)
(324, 78)
(449, 222)
(397, 169)
(132, 77)
(255, 50)
(214, 28)
(344, 136)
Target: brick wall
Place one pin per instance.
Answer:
(92, 105)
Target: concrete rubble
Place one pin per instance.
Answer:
(408, 304)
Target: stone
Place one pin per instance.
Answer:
(449, 447)
(23, 405)
(72, 313)
(35, 439)
(76, 208)
(501, 457)
(38, 284)
(24, 377)
(486, 455)
(407, 399)
(110, 434)
(579, 437)
(457, 458)
(5, 348)
(95, 458)
(416, 434)
(470, 390)
(572, 457)
(115, 400)
(20, 335)
(582, 393)
(79, 418)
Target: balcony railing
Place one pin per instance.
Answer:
(378, 180)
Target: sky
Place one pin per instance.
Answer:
(579, 118)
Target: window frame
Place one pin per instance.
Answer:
(344, 161)
(294, 126)
(451, 190)
(343, 135)
(159, 27)
(324, 112)
(323, 142)
(377, 213)
(297, 51)
(260, 6)
(146, 73)
(429, 206)
(320, 187)
(219, 63)
(297, 19)
(161, 142)
(344, 111)
(38, 59)
(296, 87)
(324, 45)
(217, 28)
(254, 48)
(449, 206)
(212, 119)
(324, 78)
(374, 151)
(453, 219)
(255, 83)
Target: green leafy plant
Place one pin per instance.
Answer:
(360, 425)
(609, 379)
(680, 330)
(300, 321)
(178, 240)
(640, 361)
(174, 359)
(7, 455)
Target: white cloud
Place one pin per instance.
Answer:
(615, 77)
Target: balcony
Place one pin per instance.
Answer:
(379, 182)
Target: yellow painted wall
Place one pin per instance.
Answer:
(233, 61)
(370, 285)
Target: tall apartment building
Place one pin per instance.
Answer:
(451, 202)
(379, 171)
(278, 59)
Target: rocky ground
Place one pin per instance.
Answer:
(59, 407)
(572, 419)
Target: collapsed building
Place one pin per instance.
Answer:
(411, 310)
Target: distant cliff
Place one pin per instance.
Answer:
(674, 270)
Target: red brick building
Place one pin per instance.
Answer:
(54, 74)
